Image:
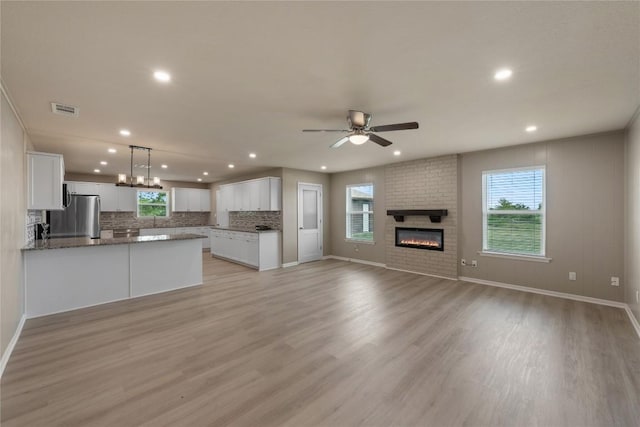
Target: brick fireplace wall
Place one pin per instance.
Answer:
(423, 184)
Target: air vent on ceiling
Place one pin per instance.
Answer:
(65, 110)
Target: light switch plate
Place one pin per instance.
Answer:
(572, 275)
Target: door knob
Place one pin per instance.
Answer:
(301, 228)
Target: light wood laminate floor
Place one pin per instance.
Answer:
(328, 343)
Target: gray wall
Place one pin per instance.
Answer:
(585, 228)
(13, 144)
(290, 180)
(632, 217)
(363, 251)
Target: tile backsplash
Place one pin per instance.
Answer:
(33, 218)
(249, 219)
(116, 220)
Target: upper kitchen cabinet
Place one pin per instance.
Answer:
(112, 198)
(116, 199)
(263, 194)
(190, 200)
(45, 176)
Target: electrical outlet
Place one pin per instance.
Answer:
(615, 281)
(572, 275)
(474, 263)
(463, 261)
(356, 248)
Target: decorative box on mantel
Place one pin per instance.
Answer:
(435, 215)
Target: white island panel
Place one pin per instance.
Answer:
(66, 279)
(160, 267)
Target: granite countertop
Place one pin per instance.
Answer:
(81, 242)
(243, 229)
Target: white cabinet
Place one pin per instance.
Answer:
(87, 188)
(44, 183)
(108, 197)
(205, 200)
(127, 199)
(190, 200)
(263, 194)
(112, 197)
(259, 250)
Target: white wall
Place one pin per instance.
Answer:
(632, 217)
(12, 222)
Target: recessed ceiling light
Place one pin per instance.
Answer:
(503, 74)
(205, 173)
(96, 170)
(396, 153)
(103, 163)
(199, 179)
(125, 132)
(252, 155)
(231, 165)
(164, 166)
(323, 167)
(112, 150)
(162, 76)
(531, 128)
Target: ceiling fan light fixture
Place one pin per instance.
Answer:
(358, 138)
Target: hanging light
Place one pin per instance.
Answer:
(358, 137)
(140, 179)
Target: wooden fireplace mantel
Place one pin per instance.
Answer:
(435, 215)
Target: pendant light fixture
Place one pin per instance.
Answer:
(139, 180)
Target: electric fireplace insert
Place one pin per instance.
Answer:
(431, 239)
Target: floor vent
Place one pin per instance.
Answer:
(65, 110)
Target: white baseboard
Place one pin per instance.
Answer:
(633, 319)
(7, 353)
(359, 261)
(290, 264)
(545, 292)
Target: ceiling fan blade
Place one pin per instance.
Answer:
(379, 140)
(325, 130)
(339, 143)
(397, 126)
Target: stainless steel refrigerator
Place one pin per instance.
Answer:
(81, 218)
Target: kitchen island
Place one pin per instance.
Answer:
(71, 273)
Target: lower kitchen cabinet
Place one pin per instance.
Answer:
(260, 250)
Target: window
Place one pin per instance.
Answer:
(513, 210)
(360, 212)
(153, 203)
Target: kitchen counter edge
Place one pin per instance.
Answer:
(81, 242)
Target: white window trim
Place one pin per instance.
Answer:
(543, 244)
(349, 212)
(153, 190)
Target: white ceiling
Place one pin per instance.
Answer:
(247, 77)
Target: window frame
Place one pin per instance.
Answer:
(485, 214)
(349, 213)
(152, 190)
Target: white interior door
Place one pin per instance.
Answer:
(309, 222)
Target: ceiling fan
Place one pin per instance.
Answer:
(360, 131)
